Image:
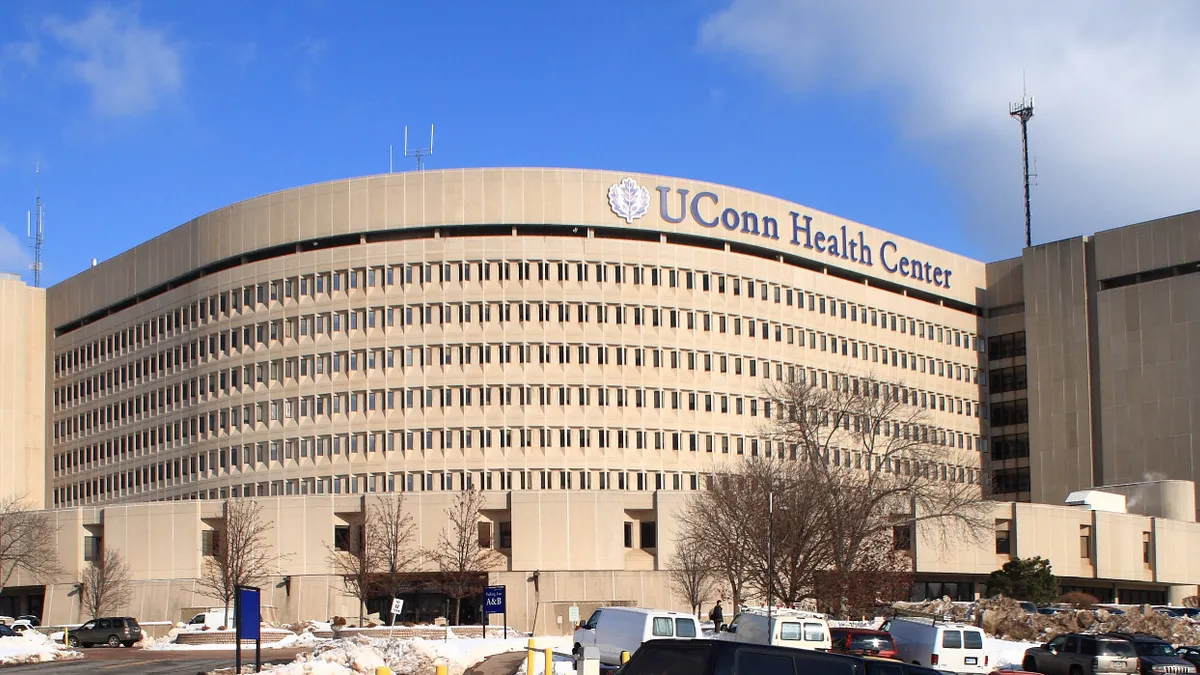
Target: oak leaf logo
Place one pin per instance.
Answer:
(628, 199)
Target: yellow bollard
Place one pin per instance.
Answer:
(440, 669)
(383, 670)
(529, 657)
(624, 658)
(66, 637)
(549, 660)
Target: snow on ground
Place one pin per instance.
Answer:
(414, 656)
(1006, 654)
(167, 642)
(33, 647)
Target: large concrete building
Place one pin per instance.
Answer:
(585, 347)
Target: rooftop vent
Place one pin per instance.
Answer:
(1097, 500)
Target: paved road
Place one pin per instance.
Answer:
(143, 662)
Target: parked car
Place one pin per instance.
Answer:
(955, 647)
(727, 657)
(613, 630)
(1050, 610)
(786, 628)
(1190, 612)
(1075, 654)
(33, 620)
(112, 631)
(1155, 656)
(5, 631)
(1173, 612)
(21, 625)
(1029, 607)
(1189, 654)
(862, 642)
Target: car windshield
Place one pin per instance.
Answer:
(1116, 648)
(1154, 649)
(869, 641)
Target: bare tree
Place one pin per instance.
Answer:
(689, 574)
(874, 463)
(715, 521)
(461, 558)
(392, 541)
(352, 558)
(27, 542)
(105, 587)
(241, 556)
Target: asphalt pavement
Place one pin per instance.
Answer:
(146, 662)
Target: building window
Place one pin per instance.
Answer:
(628, 526)
(1085, 541)
(1147, 541)
(902, 537)
(1003, 537)
(92, 549)
(648, 532)
(341, 537)
(1007, 379)
(485, 534)
(506, 533)
(209, 543)
(1005, 346)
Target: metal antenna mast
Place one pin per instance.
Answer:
(1023, 112)
(35, 231)
(418, 152)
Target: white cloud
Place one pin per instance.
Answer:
(127, 66)
(1117, 128)
(14, 255)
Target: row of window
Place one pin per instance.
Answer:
(233, 342)
(186, 470)
(172, 323)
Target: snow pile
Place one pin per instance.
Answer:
(359, 654)
(33, 647)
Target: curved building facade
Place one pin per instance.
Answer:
(505, 329)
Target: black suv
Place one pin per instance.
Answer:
(112, 631)
(721, 657)
(1155, 655)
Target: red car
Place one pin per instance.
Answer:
(862, 642)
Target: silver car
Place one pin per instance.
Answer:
(1076, 654)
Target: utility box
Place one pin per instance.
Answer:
(588, 662)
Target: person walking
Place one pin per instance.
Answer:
(717, 616)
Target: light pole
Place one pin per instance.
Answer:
(770, 556)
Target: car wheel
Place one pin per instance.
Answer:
(114, 641)
(1029, 665)
(1075, 670)
(73, 641)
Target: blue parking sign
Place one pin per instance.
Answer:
(493, 600)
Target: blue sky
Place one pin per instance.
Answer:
(144, 116)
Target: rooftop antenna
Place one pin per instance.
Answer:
(35, 231)
(418, 152)
(1023, 112)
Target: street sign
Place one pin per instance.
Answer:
(573, 614)
(493, 600)
(494, 603)
(397, 606)
(247, 612)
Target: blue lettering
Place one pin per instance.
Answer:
(663, 191)
(729, 218)
(937, 276)
(797, 228)
(819, 241)
(903, 266)
(770, 228)
(845, 238)
(864, 251)
(883, 255)
(947, 282)
(747, 218)
(696, 209)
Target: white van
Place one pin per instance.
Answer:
(212, 619)
(953, 647)
(788, 628)
(613, 630)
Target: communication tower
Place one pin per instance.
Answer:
(35, 230)
(418, 152)
(1023, 112)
